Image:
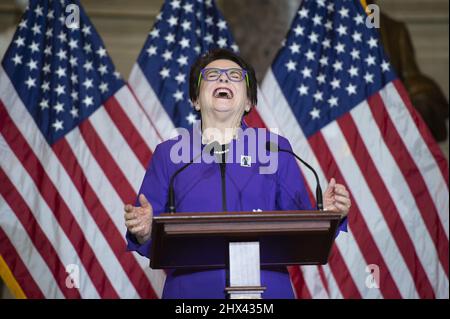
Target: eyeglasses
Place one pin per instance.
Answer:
(213, 74)
(233, 74)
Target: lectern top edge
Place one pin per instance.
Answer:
(286, 213)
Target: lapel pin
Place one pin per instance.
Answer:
(246, 160)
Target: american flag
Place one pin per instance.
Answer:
(184, 30)
(333, 93)
(74, 145)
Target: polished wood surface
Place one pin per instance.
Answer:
(200, 240)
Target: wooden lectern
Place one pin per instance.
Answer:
(242, 242)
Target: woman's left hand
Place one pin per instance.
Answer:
(336, 198)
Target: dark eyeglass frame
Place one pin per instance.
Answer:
(221, 71)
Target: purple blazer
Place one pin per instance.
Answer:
(198, 189)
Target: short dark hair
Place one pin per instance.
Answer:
(219, 54)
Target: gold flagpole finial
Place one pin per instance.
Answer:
(364, 4)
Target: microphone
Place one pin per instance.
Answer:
(274, 147)
(171, 195)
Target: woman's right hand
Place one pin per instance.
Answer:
(139, 219)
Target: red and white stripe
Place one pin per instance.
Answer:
(399, 186)
(74, 194)
(27, 252)
(150, 104)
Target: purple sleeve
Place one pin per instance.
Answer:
(292, 193)
(343, 224)
(154, 187)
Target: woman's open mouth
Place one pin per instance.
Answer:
(223, 93)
